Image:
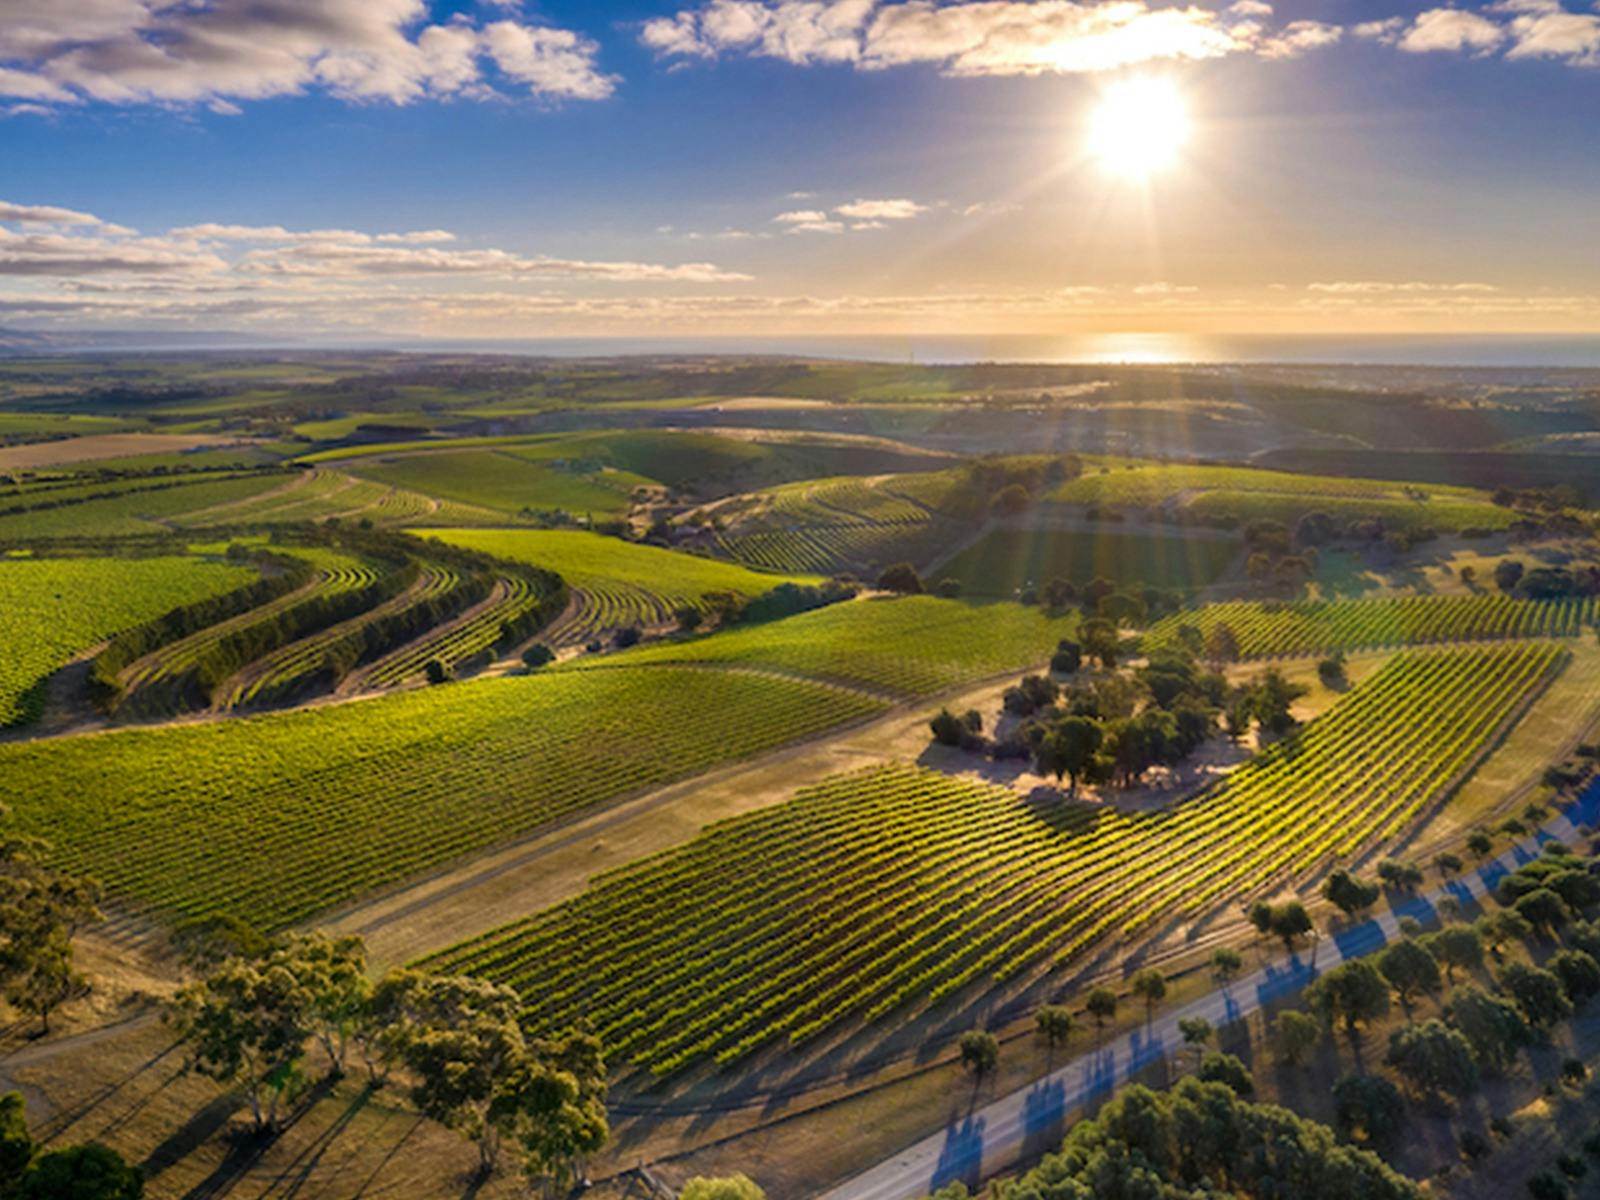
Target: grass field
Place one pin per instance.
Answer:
(910, 646)
(1265, 630)
(875, 891)
(275, 818)
(57, 608)
(1246, 494)
(617, 583)
(1005, 560)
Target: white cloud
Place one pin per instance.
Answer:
(1297, 37)
(881, 210)
(990, 208)
(800, 216)
(974, 37)
(1387, 30)
(1250, 8)
(45, 214)
(1450, 30)
(1162, 288)
(1548, 31)
(165, 51)
(1370, 287)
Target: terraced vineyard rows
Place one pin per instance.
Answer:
(1267, 630)
(135, 510)
(473, 634)
(335, 574)
(911, 646)
(897, 886)
(617, 583)
(318, 496)
(832, 525)
(274, 818)
(54, 609)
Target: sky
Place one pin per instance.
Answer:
(348, 169)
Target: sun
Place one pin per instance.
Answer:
(1139, 128)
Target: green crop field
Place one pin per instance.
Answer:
(500, 480)
(1005, 560)
(616, 583)
(57, 608)
(1268, 630)
(875, 891)
(908, 646)
(277, 817)
(1245, 494)
(139, 507)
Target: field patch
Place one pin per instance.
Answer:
(500, 480)
(106, 446)
(125, 507)
(1005, 560)
(276, 818)
(56, 608)
(877, 891)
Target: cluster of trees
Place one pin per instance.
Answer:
(1004, 485)
(1542, 583)
(1201, 1138)
(1274, 560)
(787, 599)
(257, 1006)
(1113, 728)
(87, 1172)
(41, 911)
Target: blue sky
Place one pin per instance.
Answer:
(794, 166)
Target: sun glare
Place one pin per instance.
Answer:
(1139, 128)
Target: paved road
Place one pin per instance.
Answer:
(1032, 1120)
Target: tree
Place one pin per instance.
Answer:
(1260, 915)
(1226, 964)
(1507, 574)
(1297, 1035)
(1100, 640)
(1226, 1069)
(689, 617)
(1542, 909)
(1059, 594)
(1195, 1031)
(1456, 947)
(88, 1172)
(1067, 658)
(247, 1023)
(1348, 894)
(1150, 985)
(1480, 844)
(333, 970)
(1538, 994)
(1010, 500)
(1222, 644)
(1237, 715)
(1501, 926)
(1368, 1108)
(1101, 1005)
(1331, 670)
(731, 1187)
(1273, 698)
(1434, 1058)
(537, 655)
(41, 911)
(46, 981)
(1579, 974)
(980, 1053)
(1069, 748)
(553, 1105)
(436, 672)
(1055, 1024)
(16, 1143)
(1290, 923)
(1409, 968)
(628, 635)
(901, 578)
(1491, 1024)
(1354, 992)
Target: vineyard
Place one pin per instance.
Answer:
(123, 508)
(615, 583)
(504, 482)
(1266, 630)
(57, 608)
(1244, 494)
(910, 646)
(830, 526)
(873, 892)
(277, 817)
